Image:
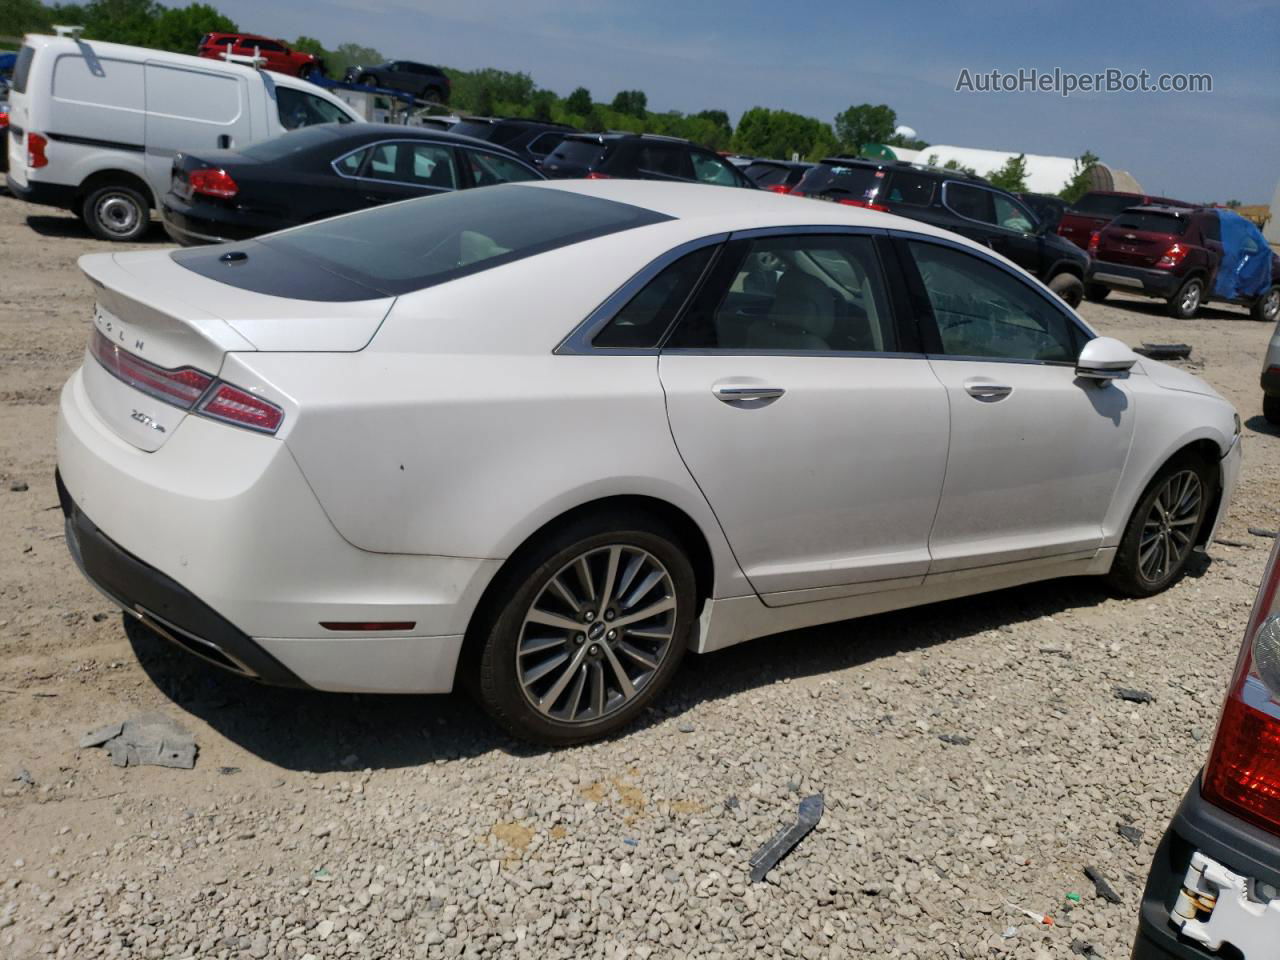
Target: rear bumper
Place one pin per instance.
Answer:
(189, 224)
(48, 194)
(249, 561)
(1198, 825)
(1120, 276)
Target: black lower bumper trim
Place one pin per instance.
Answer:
(49, 194)
(163, 604)
(1198, 825)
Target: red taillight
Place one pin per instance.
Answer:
(243, 409)
(187, 388)
(181, 387)
(1172, 257)
(35, 150)
(1243, 772)
(213, 183)
(4, 119)
(1094, 240)
(866, 205)
(778, 188)
(598, 176)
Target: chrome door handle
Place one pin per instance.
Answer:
(986, 391)
(736, 393)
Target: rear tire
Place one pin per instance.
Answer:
(1266, 309)
(116, 211)
(1069, 288)
(1162, 531)
(1271, 409)
(368, 80)
(1185, 304)
(432, 94)
(1096, 292)
(579, 694)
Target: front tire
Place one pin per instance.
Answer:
(585, 629)
(1069, 288)
(1266, 309)
(1162, 531)
(1185, 304)
(116, 212)
(1271, 408)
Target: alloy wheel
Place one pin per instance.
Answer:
(1169, 527)
(596, 634)
(1191, 297)
(1271, 304)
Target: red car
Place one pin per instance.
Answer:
(1097, 208)
(279, 57)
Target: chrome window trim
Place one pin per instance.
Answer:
(991, 190)
(982, 253)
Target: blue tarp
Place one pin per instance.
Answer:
(7, 62)
(1245, 270)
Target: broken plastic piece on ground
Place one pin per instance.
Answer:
(1129, 832)
(1073, 897)
(1101, 886)
(150, 738)
(955, 739)
(782, 842)
(1164, 351)
(1133, 696)
(1041, 918)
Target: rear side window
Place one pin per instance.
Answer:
(767, 174)
(1152, 222)
(646, 317)
(835, 181)
(489, 168)
(300, 109)
(665, 159)
(1104, 204)
(22, 69)
(402, 247)
(1211, 228)
(352, 162)
(709, 168)
(914, 189)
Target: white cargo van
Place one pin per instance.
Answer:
(93, 127)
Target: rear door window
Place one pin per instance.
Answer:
(665, 160)
(708, 168)
(972, 203)
(1012, 215)
(837, 181)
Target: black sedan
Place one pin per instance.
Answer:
(322, 171)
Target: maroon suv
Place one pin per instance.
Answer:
(1096, 209)
(1173, 254)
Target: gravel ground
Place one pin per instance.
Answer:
(972, 754)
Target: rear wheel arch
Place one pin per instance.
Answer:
(105, 178)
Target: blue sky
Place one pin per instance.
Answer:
(818, 58)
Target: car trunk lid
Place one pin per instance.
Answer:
(1139, 239)
(160, 331)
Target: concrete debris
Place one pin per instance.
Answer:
(955, 739)
(149, 738)
(1133, 696)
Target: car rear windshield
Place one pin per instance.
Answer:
(22, 69)
(1103, 204)
(408, 246)
(582, 153)
(1151, 222)
(294, 142)
(840, 182)
(767, 174)
(473, 128)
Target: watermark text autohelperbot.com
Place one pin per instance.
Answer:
(1065, 83)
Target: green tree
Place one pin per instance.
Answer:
(1012, 176)
(1081, 178)
(24, 16)
(542, 105)
(864, 124)
(631, 102)
(347, 55)
(579, 102)
(311, 45)
(1232, 204)
(954, 164)
(180, 28)
(780, 133)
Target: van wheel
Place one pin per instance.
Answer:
(1267, 307)
(116, 212)
(588, 627)
(1096, 292)
(1163, 528)
(1271, 408)
(1069, 288)
(1185, 304)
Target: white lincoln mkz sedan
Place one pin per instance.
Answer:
(542, 438)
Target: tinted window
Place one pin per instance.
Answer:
(582, 153)
(1104, 204)
(766, 174)
(474, 128)
(914, 189)
(837, 181)
(351, 163)
(299, 109)
(708, 168)
(401, 247)
(1012, 215)
(1155, 222)
(420, 164)
(490, 168)
(664, 159)
(1211, 227)
(266, 46)
(22, 69)
(646, 317)
(982, 310)
(972, 202)
(289, 144)
(544, 143)
(800, 293)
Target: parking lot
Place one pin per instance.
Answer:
(973, 755)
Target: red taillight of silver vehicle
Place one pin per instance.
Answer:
(187, 388)
(1243, 772)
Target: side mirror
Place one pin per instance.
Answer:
(1105, 358)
